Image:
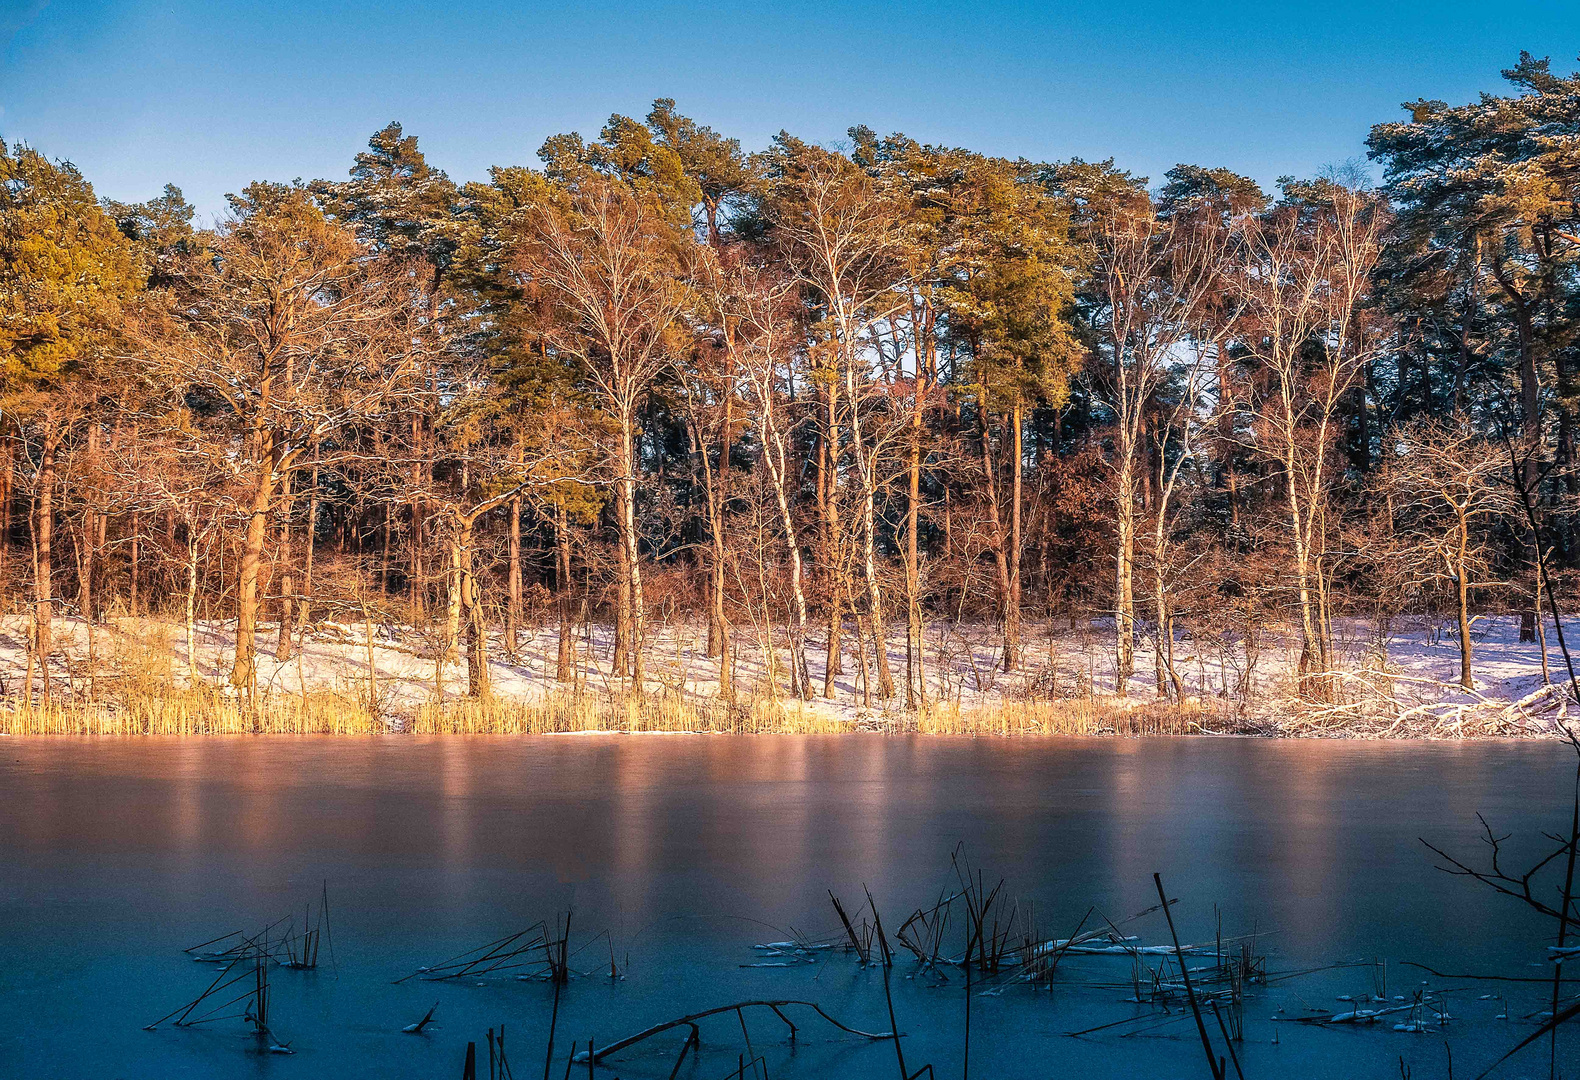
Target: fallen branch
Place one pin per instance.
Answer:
(777, 1004)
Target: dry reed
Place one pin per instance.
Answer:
(199, 710)
(566, 713)
(152, 706)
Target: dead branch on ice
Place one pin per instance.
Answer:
(776, 1005)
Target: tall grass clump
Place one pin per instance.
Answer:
(1071, 716)
(197, 710)
(621, 712)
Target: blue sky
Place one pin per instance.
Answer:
(212, 95)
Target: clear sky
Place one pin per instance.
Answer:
(212, 95)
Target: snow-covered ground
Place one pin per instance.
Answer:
(1404, 681)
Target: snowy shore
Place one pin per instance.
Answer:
(1401, 683)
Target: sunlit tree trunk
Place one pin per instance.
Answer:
(310, 542)
(513, 600)
(622, 614)
(718, 624)
(477, 681)
(89, 544)
(828, 466)
(244, 673)
(799, 674)
(43, 556)
(1462, 574)
(134, 566)
(7, 494)
(454, 605)
(637, 617)
(761, 372)
(867, 468)
(1311, 660)
(915, 671)
(995, 524)
(282, 647)
(416, 587)
(562, 547)
(386, 548)
(1012, 603)
(1124, 568)
(189, 609)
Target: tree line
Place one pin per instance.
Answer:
(805, 395)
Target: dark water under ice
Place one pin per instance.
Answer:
(114, 855)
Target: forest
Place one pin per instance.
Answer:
(875, 419)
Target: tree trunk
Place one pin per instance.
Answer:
(718, 624)
(562, 574)
(915, 674)
(513, 601)
(1301, 524)
(7, 493)
(89, 544)
(310, 542)
(721, 547)
(453, 606)
(43, 557)
(867, 468)
(1167, 674)
(415, 586)
(717, 618)
(774, 453)
(628, 536)
(995, 523)
(828, 479)
(1124, 576)
(1012, 603)
(1463, 596)
(385, 548)
(84, 545)
(880, 637)
(622, 615)
(477, 681)
(135, 558)
(190, 608)
(244, 673)
(286, 640)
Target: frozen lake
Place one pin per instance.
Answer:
(679, 853)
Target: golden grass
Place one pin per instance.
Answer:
(764, 716)
(154, 706)
(1068, 716)
(200, 710)
(564, 713)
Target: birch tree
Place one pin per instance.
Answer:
(1150, 277)
(841, 237)
(1304, 277)
(609, 265)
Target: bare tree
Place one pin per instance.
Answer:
(1178, 432)
(608, 261)
(284, 332)
(753, 308)
(1154, 277)
(1442, 481)
(842, 239)
(1303, 277)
